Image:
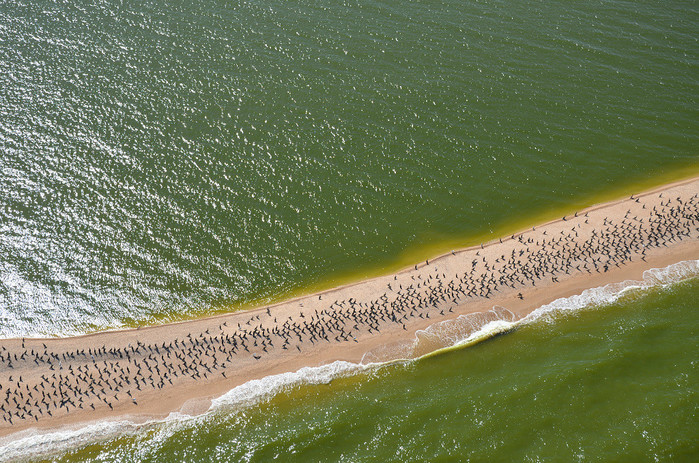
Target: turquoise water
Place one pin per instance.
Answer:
(167, 160)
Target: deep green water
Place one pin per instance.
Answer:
(167, 160)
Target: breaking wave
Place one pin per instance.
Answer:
(463, 331)
(472, 328)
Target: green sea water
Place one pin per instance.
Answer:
(616, 382)
(167, 160)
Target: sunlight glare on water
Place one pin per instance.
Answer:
(167, 160)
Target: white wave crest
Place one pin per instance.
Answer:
(471, 328)
(464, 330)
(440, 335)
(489, 330)
(33, 444)
(610, 293)
(594, 297)
(260, 389)
(672, 273)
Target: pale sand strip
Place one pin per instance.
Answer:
(652, 230)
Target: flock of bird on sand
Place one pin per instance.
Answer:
(40, 382)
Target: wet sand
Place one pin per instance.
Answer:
(149, 372)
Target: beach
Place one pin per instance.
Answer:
(150, 372)
(348, 231)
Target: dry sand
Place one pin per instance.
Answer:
(143, 373)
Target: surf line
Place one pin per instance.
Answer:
(150, 372)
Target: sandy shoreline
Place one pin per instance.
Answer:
(152, 371)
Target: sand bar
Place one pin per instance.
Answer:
(150, 372)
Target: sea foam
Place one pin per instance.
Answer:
(464, 330)
(593, 297)
(33, 444)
